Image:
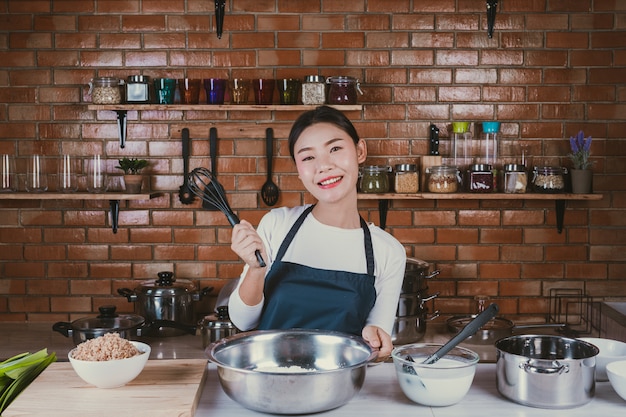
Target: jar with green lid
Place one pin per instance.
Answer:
(442, 179)
(406, 178)
(374, 179)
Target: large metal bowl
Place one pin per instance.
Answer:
(291, 371)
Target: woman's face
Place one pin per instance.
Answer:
(328, 161)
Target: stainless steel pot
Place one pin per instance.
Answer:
(411, 329)
(412, 304)
(495, 329)
(546, 371)
(415, 275)
(216, 327)
(166, 299)
(127, 325)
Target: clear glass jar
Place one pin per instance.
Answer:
(105, 90)
(374, 179)
(442, 179)
(314, 90)
(138, 89)
(548, 180)
(343, 90)
(406, 178)
(515, 179)
(480, 178)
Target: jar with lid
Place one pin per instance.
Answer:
(343, 90)
(374, 179)
(442, 179)
(548, 180)
(480, 178)
(406, 178)
(105, 90)
(138, 89)
(314, 90)
(515, 179)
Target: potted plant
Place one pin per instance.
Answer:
(132, 173)
(582, 176)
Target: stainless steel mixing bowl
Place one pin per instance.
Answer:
(291, 371)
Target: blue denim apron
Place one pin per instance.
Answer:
(298, 296)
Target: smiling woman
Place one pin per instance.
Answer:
(323, 260)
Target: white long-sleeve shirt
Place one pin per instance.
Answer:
(321, 246)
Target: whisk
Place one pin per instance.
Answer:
(200, 180)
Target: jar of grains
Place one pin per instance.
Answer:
(406, 178)
(480, 178)
(548, 180)
(442, 179)
(515, 179)
(105, 90)
(374, 179)
(314, 90)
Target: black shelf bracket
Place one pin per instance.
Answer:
(121, 126)
(383, 208)
(560, 214)
(115, 214)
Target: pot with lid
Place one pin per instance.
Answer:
(166, 299)
(108, 321)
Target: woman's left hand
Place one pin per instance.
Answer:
(377, 338)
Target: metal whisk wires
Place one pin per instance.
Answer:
(200, 181)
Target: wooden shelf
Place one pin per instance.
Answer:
(123, 109)
(559, 199)
(113, 197)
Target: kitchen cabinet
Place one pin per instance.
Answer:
(113, 197)
(123, 109)
(559, 199)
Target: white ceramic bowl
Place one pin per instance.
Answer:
(617, 376)
(441, 384)
(113, 373)
(610, 351)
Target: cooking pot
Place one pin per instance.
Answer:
(546, 371)
(127, 325)
(216, 327)
(412, 304)
(415, 276)
(165, 300)
(495, 329)
(410, 329)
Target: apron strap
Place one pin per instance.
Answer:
(369, 250)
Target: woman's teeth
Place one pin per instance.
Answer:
(330, 181)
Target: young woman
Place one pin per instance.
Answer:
(326, 267)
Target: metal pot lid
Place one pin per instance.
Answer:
(217, 320)
(414, 263)
(166, 285)
(108, 320)
(497, 323)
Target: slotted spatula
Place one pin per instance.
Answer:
(269, 191)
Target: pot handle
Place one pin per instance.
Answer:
(556, 369)
(125, 292)
(63, 327)
(432, 274)
(170, 323)
(197, 296)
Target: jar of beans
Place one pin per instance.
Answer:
(480, 178)
(442, 179)
(548, 180)
(406, 179)
(105, 90)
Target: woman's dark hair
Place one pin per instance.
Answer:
(322, 114)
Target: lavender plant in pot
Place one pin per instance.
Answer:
(132, 173)
(582, 175)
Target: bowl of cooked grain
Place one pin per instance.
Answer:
(109, 361)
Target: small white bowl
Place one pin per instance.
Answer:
(113, 373)
(617, 376)
(440, 384)
(610, 351)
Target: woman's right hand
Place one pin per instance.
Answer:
(245, 241)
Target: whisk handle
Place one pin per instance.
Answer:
(233, 220)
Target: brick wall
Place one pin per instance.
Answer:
(551, 69)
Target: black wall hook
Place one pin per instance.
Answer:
(492, 6)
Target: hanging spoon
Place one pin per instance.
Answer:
(269, 191)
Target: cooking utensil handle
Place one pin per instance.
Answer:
(269, 149)
(233, 220)
(471, 328)
(213, 149)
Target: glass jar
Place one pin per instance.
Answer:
(374, 179)
(343, 90)
(442, 179)
(480, 178)
(105, 90)
(548, 180)
(138, 89)
(515, 179)
(314, 90)
(406, 178)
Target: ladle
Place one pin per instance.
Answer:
(471, 328)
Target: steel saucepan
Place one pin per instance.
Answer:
(495, 329)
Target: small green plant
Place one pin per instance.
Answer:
(132, 166)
